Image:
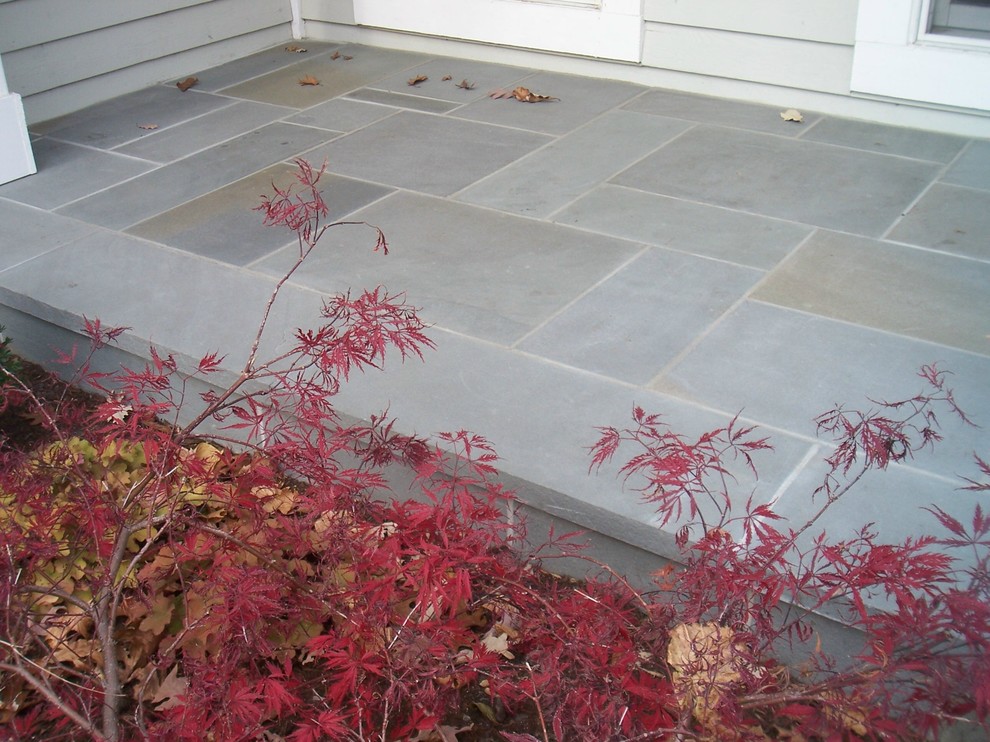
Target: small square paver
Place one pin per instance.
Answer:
(949, 218)
(972, 168)
(67, 172)
(354, 67)
(782, 368)
(261, 63)
(580, 99)
(341, 114)
(119, 120)
(445, 76)
(186, 179)
(554, 176)
(639, 319)
(703, 109)
(895, 504)
(28, 232)
(808, 182)
(430, 154)
(401, 100)
(189, 137)
(698, 229)
(888, 140)
(223, 225)
(904, 290)
(177, 301)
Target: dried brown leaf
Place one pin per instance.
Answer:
(170, 691)
(446, 77)
(417, 80)
(148, 127)
(295, 49)
(521, 94)
(347, 58)
(335, 55)
(527, 96)
(184, 85)
(465, 85)
(792, 114)
(308, 80)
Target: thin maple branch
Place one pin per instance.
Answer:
(53, 698)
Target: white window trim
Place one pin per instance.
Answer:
(607, 29)
(895, 58)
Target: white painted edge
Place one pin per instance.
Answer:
(298, 24)
(16, 156)
(613, 31)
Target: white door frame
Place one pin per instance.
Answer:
(896, 58)
(16, 157)
(607, 29)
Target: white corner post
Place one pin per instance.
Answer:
(16, 157)
(298, 28)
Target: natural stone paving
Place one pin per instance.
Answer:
(619, 246)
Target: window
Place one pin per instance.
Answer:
(960, 18)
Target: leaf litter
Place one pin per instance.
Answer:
(522, 94)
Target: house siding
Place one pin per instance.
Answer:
(62, 55)
(805, 44)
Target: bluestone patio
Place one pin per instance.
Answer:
(618, 246)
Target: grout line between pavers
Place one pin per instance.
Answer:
(553, 315)
(746, 296)
(869, 328)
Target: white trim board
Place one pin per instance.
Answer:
(16, 157)
(605, 29)
(895, 58)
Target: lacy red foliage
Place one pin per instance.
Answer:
(267, 584)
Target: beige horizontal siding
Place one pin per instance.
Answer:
(98, 49)
(793, 63)
(829, 21)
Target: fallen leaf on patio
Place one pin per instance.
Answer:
(521, 94)
(335, 55)
(308, 80)
(417, 80)
(527, 96)
(184, 85)
(148, 127)
(294, 48)
(347, 58)
(792, 115)
(465, 85)
(446, 77)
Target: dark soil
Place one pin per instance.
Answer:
(21, 426)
